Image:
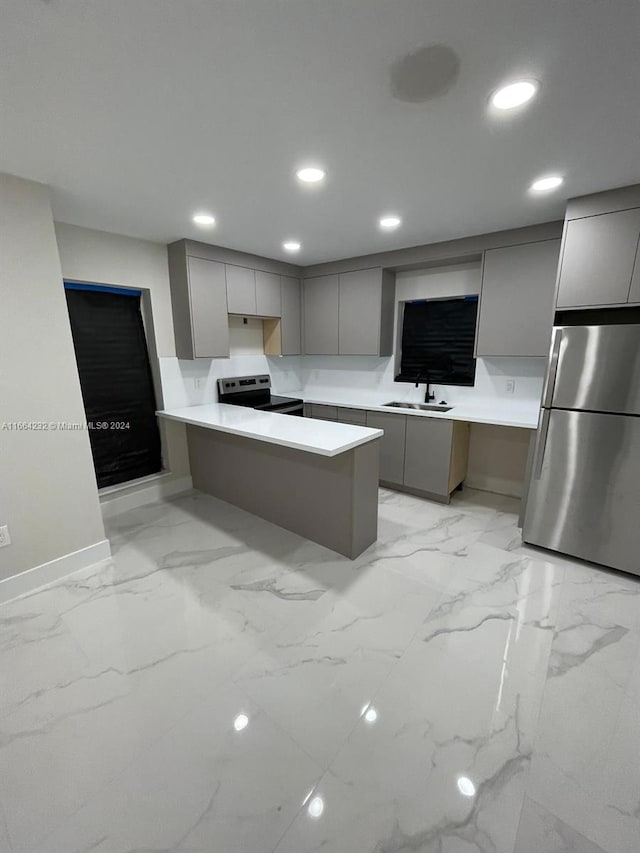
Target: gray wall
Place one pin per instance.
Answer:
(48, 493)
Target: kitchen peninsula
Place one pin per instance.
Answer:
(317, 479)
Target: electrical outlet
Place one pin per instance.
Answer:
(510, 386)
(5, 539)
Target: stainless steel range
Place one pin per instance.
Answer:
(254, 392)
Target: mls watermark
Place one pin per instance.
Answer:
(62, 426)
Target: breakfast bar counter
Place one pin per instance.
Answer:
(316, 478)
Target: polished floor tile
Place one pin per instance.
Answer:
(542, 832)
(224, 685)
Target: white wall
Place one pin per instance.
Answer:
(102, 258)
(48, 492)
(246, 336)
(191, 383)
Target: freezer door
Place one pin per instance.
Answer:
(597, 369)
(584, 494)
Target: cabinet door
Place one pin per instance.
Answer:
(359, 322)
(634, 292)
(391, 444)
(597, 259)
(352, 416)
(208, 305)
(516, 306)
(428, 454)
(324, 413)
(241, 290)
(268, 303)
(291, 315)
(321, 299)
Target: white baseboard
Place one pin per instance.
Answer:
(54, 570)
(150, 489)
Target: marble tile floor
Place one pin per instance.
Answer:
(224, 686)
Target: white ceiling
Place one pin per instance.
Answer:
(138, 113)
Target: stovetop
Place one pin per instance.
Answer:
(253, 392)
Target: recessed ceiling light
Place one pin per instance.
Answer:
(311, 174)
(204, 219)
(291, 246)
(514, 95)
(466, 786)
(549, 182)
(389, 222)
(316, 807)
(241, 722)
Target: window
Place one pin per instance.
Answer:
(115, 378)
(438, 337)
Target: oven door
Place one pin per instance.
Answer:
(296, 409)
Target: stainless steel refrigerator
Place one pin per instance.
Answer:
(584, 483)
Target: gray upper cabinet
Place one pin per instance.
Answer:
(268, 301)
(350, 313)
(517, 302)
(199, 302)
(321, 312)
(598, 258)
(291, 307)
(241, 290)
(392, 444)
(427, 456)
(362, 313)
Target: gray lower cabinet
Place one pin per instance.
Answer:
(517, 301)
(199, 303)
(391, 445)
(357, 417)
(421, 454)
(321, 311)
(598, 258)
(324, 413)
(268, 299)
(241, 290)
(428, 454)
(291, 309)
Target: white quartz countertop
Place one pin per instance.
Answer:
(499, 412)
(314, 436)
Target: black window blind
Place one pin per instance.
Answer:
(115, 378)
(438, 337)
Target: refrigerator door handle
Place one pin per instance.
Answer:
(550, 384)
(541, 443)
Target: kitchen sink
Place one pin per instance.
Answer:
(422, 407)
